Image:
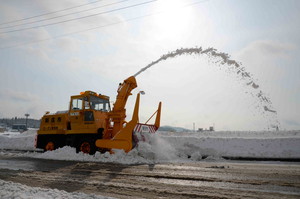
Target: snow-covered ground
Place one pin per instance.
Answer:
(161, 147)
(16, 190)
(173, 147)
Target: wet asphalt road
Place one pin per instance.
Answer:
(227, 179)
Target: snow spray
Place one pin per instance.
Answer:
(221, 58)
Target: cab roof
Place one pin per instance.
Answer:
(90, 93)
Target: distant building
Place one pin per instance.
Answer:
(19, 127)
(211, 128)
(9, 122)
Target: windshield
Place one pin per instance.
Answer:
(99, 104)
(77, 104)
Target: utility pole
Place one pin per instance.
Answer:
(26, 115)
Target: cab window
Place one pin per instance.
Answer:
(86, 103)
(77, 104)
(99, 104)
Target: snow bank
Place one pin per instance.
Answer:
(237, 147)
(235, 134)
(17, 190)
(17, 140)
(175, 147)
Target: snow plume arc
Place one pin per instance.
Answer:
(190, 51)
(221, 58)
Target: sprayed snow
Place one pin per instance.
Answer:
(220, 59)
(267, 109)
(164, 147)
(225, 59)
(17, 190)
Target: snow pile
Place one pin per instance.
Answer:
(69, 153)
(237, 147)
(17, 190)
(17, 140)
(235, 134)
(168, 146)
(144, 153)
(175, 147)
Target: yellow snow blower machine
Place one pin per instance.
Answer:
(90, 124)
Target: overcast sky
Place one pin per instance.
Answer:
(49, 58)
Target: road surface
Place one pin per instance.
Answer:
(226, 179)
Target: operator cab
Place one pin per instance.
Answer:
(90, 100)
(88, 108)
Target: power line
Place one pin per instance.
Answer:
(92, 15)
(49, 13)
(31, 22)
(72, 33)
(103, 26)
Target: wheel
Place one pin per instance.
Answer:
(87, 147)
(49, 146)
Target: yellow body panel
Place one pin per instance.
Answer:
(53, 124)
(79, 125)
